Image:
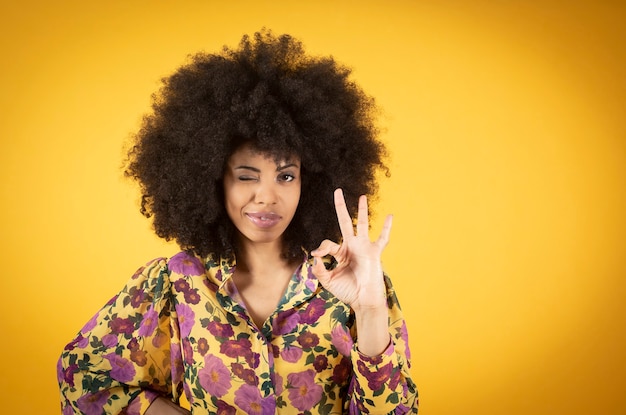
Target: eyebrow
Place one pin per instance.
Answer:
(286, 166)
(254, 169)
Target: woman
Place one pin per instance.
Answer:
(261, 312)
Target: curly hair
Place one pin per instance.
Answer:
(270, 94)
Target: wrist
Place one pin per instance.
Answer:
(372, 325)
(371, 311)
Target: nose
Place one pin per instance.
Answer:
(266, 193)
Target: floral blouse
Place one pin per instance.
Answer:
(180, 326)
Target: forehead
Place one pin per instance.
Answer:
(250, 154)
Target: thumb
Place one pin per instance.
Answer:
(320, 271)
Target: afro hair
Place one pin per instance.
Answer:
(270, 94)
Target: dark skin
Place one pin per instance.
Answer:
(262, 272)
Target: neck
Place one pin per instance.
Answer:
(259, 258)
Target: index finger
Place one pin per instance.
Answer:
(343, 216)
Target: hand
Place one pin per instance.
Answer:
(357, 279)
(163, 406)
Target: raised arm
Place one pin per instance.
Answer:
(382, 382)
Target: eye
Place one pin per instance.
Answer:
(286, 177)
(246, 178)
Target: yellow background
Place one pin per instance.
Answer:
(506, 125)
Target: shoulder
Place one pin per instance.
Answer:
(152, 268)
(188, 264)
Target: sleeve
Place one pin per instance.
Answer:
(127, 354)
(382, 384)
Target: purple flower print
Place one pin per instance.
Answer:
(136, 296)
(60, 371)
(291, 354)
(149, 322)
(403, 409)
(341, 371)
(214, 377)
(250, 377)
(72, 345)
(313, 312)
(203, 346)
(249, 399)
(237, 369)
(277, 380)
(394, 380)
(122, 370)
(308, 340)
(181, 286)
(225, 409)
(342, 340)
(185, 319)
(304, 393)
(112, 300)
(192, 296)
(109, 340)
(310, 283)
(134, 408)
(90, 324)
(183, 263)
(139, 357)
(176, 362)
(404, 335)
(188, 352)
(210, 284)
(121, 325)
(357, 407)
(320, 363)
(285, 322)
(66, 375)
(160, 339)
(275, 350)
(236, 348)
(373, 360)
(133, 344)
(253, 359)
(139, 272)
(377, 378)
(247, 375)
(83, 342)
(93, 404)
(219, 329)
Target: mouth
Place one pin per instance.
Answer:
(264, 219)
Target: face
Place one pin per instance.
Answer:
(261, 195)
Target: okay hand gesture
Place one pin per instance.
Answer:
(357, 279)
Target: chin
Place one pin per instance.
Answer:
(262, 237)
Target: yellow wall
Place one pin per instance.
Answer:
(506, 125)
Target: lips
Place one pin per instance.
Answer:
(264, 219)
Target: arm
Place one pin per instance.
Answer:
(383, 384)
(121, 359)
(381, 378)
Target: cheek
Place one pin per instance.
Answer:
(296, 198)
(232, 200)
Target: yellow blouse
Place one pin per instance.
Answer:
(180, 326)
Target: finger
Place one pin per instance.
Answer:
(343, 216)
(320, 271)
(322, 274)
(383, 239)
(327, 247)
(362, 225)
